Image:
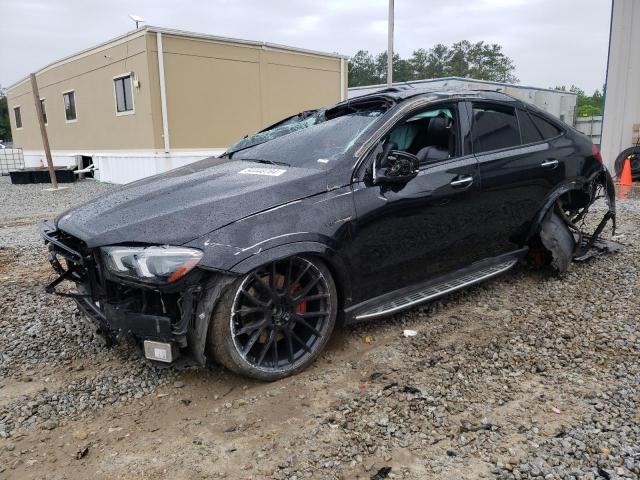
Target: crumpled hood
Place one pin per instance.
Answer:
(186, 203)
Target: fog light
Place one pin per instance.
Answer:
(159, 351)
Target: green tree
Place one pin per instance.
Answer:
(462, 59)
(430, 63)
(402, 70)
(586, 106)
(362, 69)
(481, 61)
(5, 128)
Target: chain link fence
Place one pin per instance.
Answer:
(10, 159)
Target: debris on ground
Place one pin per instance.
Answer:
(82, 452)
(381, 474)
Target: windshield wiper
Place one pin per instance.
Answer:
(230, 154)
(270, 162)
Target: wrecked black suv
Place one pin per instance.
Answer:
(351, 212)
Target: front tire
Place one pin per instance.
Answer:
(275, 321)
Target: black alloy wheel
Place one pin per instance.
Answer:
(280, 318)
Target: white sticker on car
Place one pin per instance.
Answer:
(270, 172)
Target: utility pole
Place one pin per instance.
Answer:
(390, 46)
(43, 131)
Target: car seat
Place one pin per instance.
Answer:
(438, 133)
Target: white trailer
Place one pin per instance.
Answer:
(558, 103)
(591, 127)
(621, 127)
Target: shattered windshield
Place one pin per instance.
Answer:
(310, 142)
(291, 124)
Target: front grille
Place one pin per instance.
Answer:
(118, 305)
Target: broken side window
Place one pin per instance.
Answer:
(430, 135)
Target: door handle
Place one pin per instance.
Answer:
(549, 163)
(462, 181)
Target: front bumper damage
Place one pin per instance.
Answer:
(175, 316)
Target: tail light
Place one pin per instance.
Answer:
(595, 151)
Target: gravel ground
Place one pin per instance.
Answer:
(44, 332)
(24, 202)
(526, 376)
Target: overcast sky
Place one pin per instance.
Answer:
(552, 42)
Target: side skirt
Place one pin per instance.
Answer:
(408, 297)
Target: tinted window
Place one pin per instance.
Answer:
(494, 127)
(528, 130)
(547, 129)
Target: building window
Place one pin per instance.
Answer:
(124, 95)
(44, 110)
(70, 106)
(17, 116)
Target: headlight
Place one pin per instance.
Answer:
(151, 264)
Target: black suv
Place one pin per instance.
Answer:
(350, 212)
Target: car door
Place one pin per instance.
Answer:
(515, 170)
(560, 158)
(406, 234)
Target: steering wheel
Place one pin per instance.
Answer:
(406, 155)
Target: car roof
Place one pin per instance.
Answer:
(400, 93)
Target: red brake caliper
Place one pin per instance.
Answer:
(301, 307)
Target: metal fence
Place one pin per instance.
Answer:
(592, 127)
(10, 159)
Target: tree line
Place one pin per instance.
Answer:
(587, 105)
(479, 60)
(5, 128)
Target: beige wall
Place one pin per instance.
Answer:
(91, 77)
(217, 92)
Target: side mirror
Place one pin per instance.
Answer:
(394, 166)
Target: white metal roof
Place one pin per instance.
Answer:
(367, 88)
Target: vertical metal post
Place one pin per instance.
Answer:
(390, 46)
(43, 131)
(163, 94)
(342, 96)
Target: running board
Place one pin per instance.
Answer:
(430, 292)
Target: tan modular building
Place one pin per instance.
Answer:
(155, 99)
